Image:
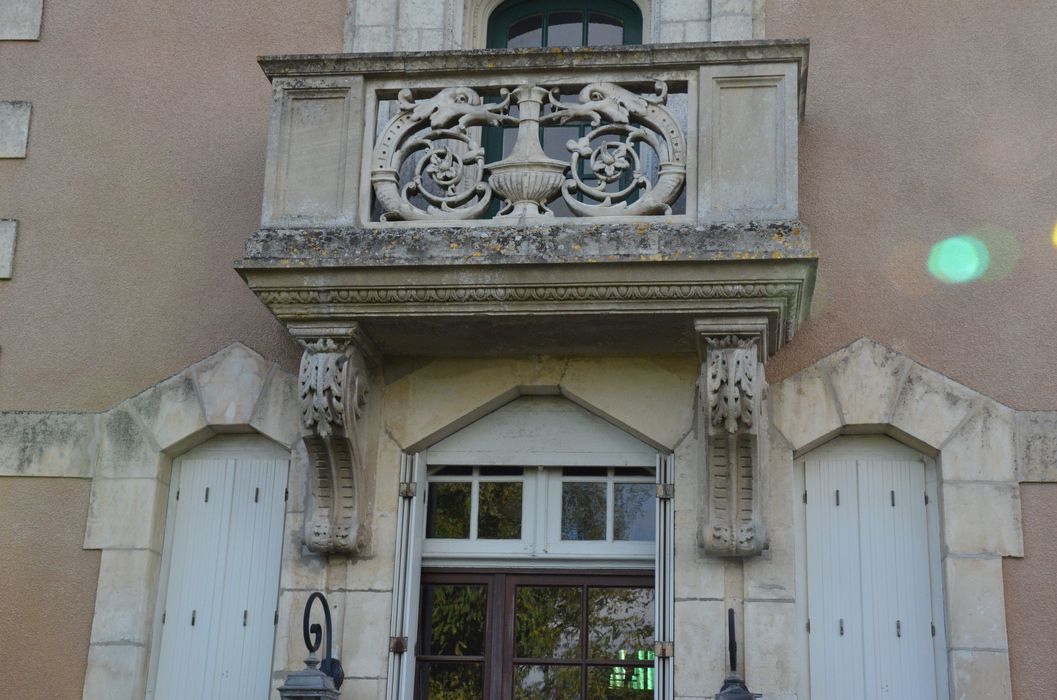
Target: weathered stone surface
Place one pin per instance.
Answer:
(14, 127)
(126, 513)
(115, 672)
(276, 414)
(697, 576)
(1036, 441)
(982, 449)
(866, 378)
(124, 448)
(8, 235)
(772, 663)
(365, 688)
(171, 411)
(20, 19)
(773, 576)
(301, 569)
(982, 518)
(802, 408)
(699, 647)
(365, 636)
(980, 675)
(975, 604)
(930, 406)
(229, 383)
(526, 244)
(125, 595)
(46, 444)
(663, 391)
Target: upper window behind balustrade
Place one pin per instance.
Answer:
(528, 23)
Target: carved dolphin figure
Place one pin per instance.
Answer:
(450, 105)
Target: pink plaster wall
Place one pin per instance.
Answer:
(1031, 597)
(142, 182)
(927, 119)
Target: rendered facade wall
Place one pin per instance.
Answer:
(48, 584)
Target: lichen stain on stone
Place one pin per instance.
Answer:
(36, 434)
(123, 435)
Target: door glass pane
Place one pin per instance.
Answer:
(620, 682)
(603, 30)
(633, 511)
(448, 510)
(453, 619)
(619, 622)
(547, 622)
(499, 511)
(546, 682)
(448, 681)
(565, 29)
(525, 33)
(583, 511)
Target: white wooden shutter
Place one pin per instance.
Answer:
(224, 561)
(868, 568)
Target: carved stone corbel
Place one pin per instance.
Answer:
(730, 420)
(333, 386)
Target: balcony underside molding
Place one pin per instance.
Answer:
(511, 308)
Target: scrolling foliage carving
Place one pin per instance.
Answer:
(429, 164)
(332, 389)
(731, 387)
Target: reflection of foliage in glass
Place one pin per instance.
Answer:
(499, 511)
(448, 513)
(633, 511)
(546, 682)
(547, 622)
(583, 511)
(454, 619)
(621, 682)
(455, 681)
(619, 621)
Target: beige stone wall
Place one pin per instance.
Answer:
(1031, 597)
(148, 143)
(924, 120)
(48, 585)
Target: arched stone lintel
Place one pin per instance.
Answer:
(868, 388)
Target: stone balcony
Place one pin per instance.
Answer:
(527, 201)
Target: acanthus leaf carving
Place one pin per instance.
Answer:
(730, 404)
(332, 390)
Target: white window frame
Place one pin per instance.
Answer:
(867, 447)
(412, 554)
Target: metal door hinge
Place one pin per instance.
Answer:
(207, 494)
(177, 494)
(275, 620)
(257, 495)
(838, 497)
(664, 650)
(893, 493)
(245, 617)
(666, 491)
(286, 494)
(398, 645)
(805, 496)
(194, 615)
(807, 626)
(933, 626)
(163, 620)
(926, 499)
(408, 489)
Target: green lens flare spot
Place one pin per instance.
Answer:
(959, 259)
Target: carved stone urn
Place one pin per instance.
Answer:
(528, 179)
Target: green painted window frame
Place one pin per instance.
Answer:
(514, 10)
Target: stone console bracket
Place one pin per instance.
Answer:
(333, 386)
(730, 420)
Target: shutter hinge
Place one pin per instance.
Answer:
(805, 496)
(194, 614)
(893, 493)
(933, 626)
(666, 491)
(838, 497)
(663, 650)
(286, 494)
(398, 645)
(207, 494)
(807, 626)
(408, 489)
(926, 499)
(257, 495)
(163, 620)
(275, 620)
(177, 494)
